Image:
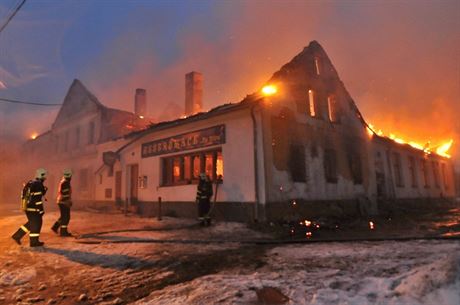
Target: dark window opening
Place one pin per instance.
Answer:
(444, 176)
(426, 180)
(91, 133)
(436, 173)
(412, 171)
(397, 170)
(354, 160)
(330, 165)
(297, 164)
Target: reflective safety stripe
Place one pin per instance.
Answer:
(36, 193)
(39, 202)
(63, 226)
(32, 210)
(65, 190)
(25, 229)
(34, 234)
(65, 196)
(204, 197)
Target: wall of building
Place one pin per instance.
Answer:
(410, 182)
(334, 128)
(238, 160)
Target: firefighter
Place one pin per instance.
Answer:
(203, 198)
(33, 196)
(64, 200)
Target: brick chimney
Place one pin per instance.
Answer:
(193, 93)
(140, 102)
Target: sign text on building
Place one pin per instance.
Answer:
(197, 139)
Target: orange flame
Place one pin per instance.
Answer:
(33, 136)
(444, 148)
(441, 150)
(269, 90)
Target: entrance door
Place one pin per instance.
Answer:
(133, 183)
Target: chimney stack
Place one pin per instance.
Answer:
(193, 93)
(140, 103)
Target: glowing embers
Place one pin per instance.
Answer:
(441, 150)
(371, 225)
(33, 136)
(269, 90)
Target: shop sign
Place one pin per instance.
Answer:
(192, 140)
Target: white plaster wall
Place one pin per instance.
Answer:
(237, 152)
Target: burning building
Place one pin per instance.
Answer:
(300, 139)
(299, 145)
(82, 126)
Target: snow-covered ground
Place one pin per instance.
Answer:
(131, 260)
(416, 272)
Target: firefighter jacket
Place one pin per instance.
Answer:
(37, 193)
(64, 192)
(204, 190)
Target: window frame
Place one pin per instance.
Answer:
(167, 164)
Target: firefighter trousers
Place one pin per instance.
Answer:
(63, 221)
(33, 225)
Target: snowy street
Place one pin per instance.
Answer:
(121, 259)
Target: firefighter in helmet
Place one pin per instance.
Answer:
(64, 201)
(33, 196)
(203, 198)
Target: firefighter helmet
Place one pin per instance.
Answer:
(67, 173)
(203, 176)
(41, 173)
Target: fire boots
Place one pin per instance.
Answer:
(55, 227)
(19, 234)
(34, 242)
(64, 232)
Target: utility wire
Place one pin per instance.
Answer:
(12, 16)
(26, 103)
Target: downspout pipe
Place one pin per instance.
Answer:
(256, 164)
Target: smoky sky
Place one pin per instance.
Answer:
(400, 60)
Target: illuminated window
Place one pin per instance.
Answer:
(412, 171)
(209, 164)
(311, 103)
(219, 165)
(317, 65)
(332, 108)
(196, 166)
(186, 169)
(176, 170)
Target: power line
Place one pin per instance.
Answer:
(26, 103)
(12, 15)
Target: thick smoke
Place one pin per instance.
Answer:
(399, 60)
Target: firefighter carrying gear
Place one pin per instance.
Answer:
(64, 200)
(34, 211)
(203, 198)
